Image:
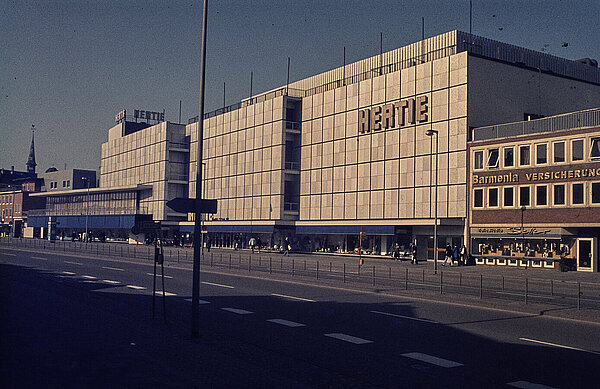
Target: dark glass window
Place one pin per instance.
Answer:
(577, 194)
(541, 194)
(524, 196)
(493, 197)
(479, 160)
(595, 148)
(493, 158)
(541, 154)
(559, 152)
(524, 155)
(478, 196)
(596, 192)
(577, 150)
(509, 157)
(508, 197)
(559, 194)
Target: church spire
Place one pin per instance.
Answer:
(31, 160)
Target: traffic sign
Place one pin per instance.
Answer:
(184, 205)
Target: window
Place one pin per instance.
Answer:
(478, 160)
(68, 183)
(64, 184)
(541, 154)
(508, 197)
(577, 194)
(559, 194)
(524, 196)
(493, 197)
(559, 152)
(577, 150)
(509, 158)
(595, 148)
(524, 157)
(478, 198)
(595, 192)
(541, 195)
(492, 158)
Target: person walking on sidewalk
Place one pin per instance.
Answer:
(286, 247)
(414, 260)
(448, 256)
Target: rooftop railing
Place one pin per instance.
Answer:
(93, 211)
(580, 119)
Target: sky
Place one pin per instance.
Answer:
(68, 67)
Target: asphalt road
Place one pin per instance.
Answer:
(78, 321)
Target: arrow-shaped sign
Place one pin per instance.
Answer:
(184, 205)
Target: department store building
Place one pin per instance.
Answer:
(344, 155)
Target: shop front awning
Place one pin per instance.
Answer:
(345, 230)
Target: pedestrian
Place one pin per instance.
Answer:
(258, 244)
(456, 255)
(208, 244)
(463, 255)
(415, 260)
(448, 256)
(396, 252)
(286, 247)
(252, 243)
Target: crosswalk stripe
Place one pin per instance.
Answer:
(135, 287)
(287, 323)
(111, 282)
(528, 385)
(200, 301)
(349, 338)
(238, 311)
(159, 292)
(432, 360)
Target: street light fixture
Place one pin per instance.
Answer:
(430, 133)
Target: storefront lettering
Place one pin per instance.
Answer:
(526, 231)
(496, 179)
(139, 114)
(397, 114)
(563, 174)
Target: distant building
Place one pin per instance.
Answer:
(70, 179)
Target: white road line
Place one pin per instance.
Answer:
(200, 301)
(285, 296)
(559, 345)
(405, 317)
(219, 285)
(238, 311)
(68, 273)
(43, 259)
(151, 274)
(167, 294)
(89, 281)
(528, 385)
(111, 282)
(136, 287)
(10, 255)
(286, 323)
(74, 263)
(112, 268)
(89, 277)
(432, 360)
(349, 338)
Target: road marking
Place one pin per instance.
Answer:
(159, 292)
(432, 360)
(238, 311)
(136, 287)
(285, 296)
(68, 273)
(200, 301)
(111, 282)
(559, 345)
(112, 268)
(220, 285)
(10, 255)
(528, 385)
(151, 274)
(89, 277)
(89, 281)
(74, 263)
(286, 323)
(405, 317)
(43, 259)
(349, 338)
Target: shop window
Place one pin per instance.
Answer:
(559, 152)
(493, 197)
(541, 154)
(478, 198)
(492, 158)
(524, 155)
(595, 192)
(541, 195)
(524, 198)
(559, 194)
(509, 158)
(577, 194)
(508, 197)
(478, 160)
(577, 150)
(595, 148)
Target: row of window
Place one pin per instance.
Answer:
(538, 195)
(543, 153)
(7, 199)
(92, 197)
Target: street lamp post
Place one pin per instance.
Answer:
(87, 207)
(522, 229)
(430, 133)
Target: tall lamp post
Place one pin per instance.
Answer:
(87, 207)
(430, 133)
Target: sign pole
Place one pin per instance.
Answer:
(197, 222)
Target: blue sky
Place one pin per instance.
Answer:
(69, 66)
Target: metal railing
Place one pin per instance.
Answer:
(580, 119)
(91, 212)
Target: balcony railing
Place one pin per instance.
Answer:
(91, 212)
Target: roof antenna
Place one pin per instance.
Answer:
(470, 17)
